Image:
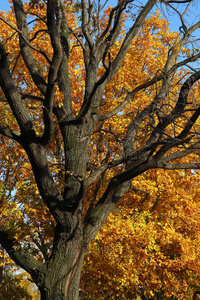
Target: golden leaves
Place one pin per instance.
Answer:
(150, 240)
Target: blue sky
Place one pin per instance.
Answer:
(174, 20)
(5, 5)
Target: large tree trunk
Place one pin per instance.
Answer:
(62, 278)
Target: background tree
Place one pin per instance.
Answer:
(11, 286)
(63, 101)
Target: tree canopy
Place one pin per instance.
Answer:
(100, 112)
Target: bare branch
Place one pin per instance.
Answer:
(178, 1)
(183, 27)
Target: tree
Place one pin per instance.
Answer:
(61, 106)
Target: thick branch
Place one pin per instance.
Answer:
(36, 98)
(8, 132)
(181, 154)
(177, 166)
(25, 49)
(63, 74)
(85, 25)
(22, 258)
(179, 108)
(12, 95)
(53, 12)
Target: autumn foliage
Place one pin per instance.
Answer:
(149, 245)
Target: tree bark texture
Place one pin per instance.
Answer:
(63, 272)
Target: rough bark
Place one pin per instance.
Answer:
(64, 267)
